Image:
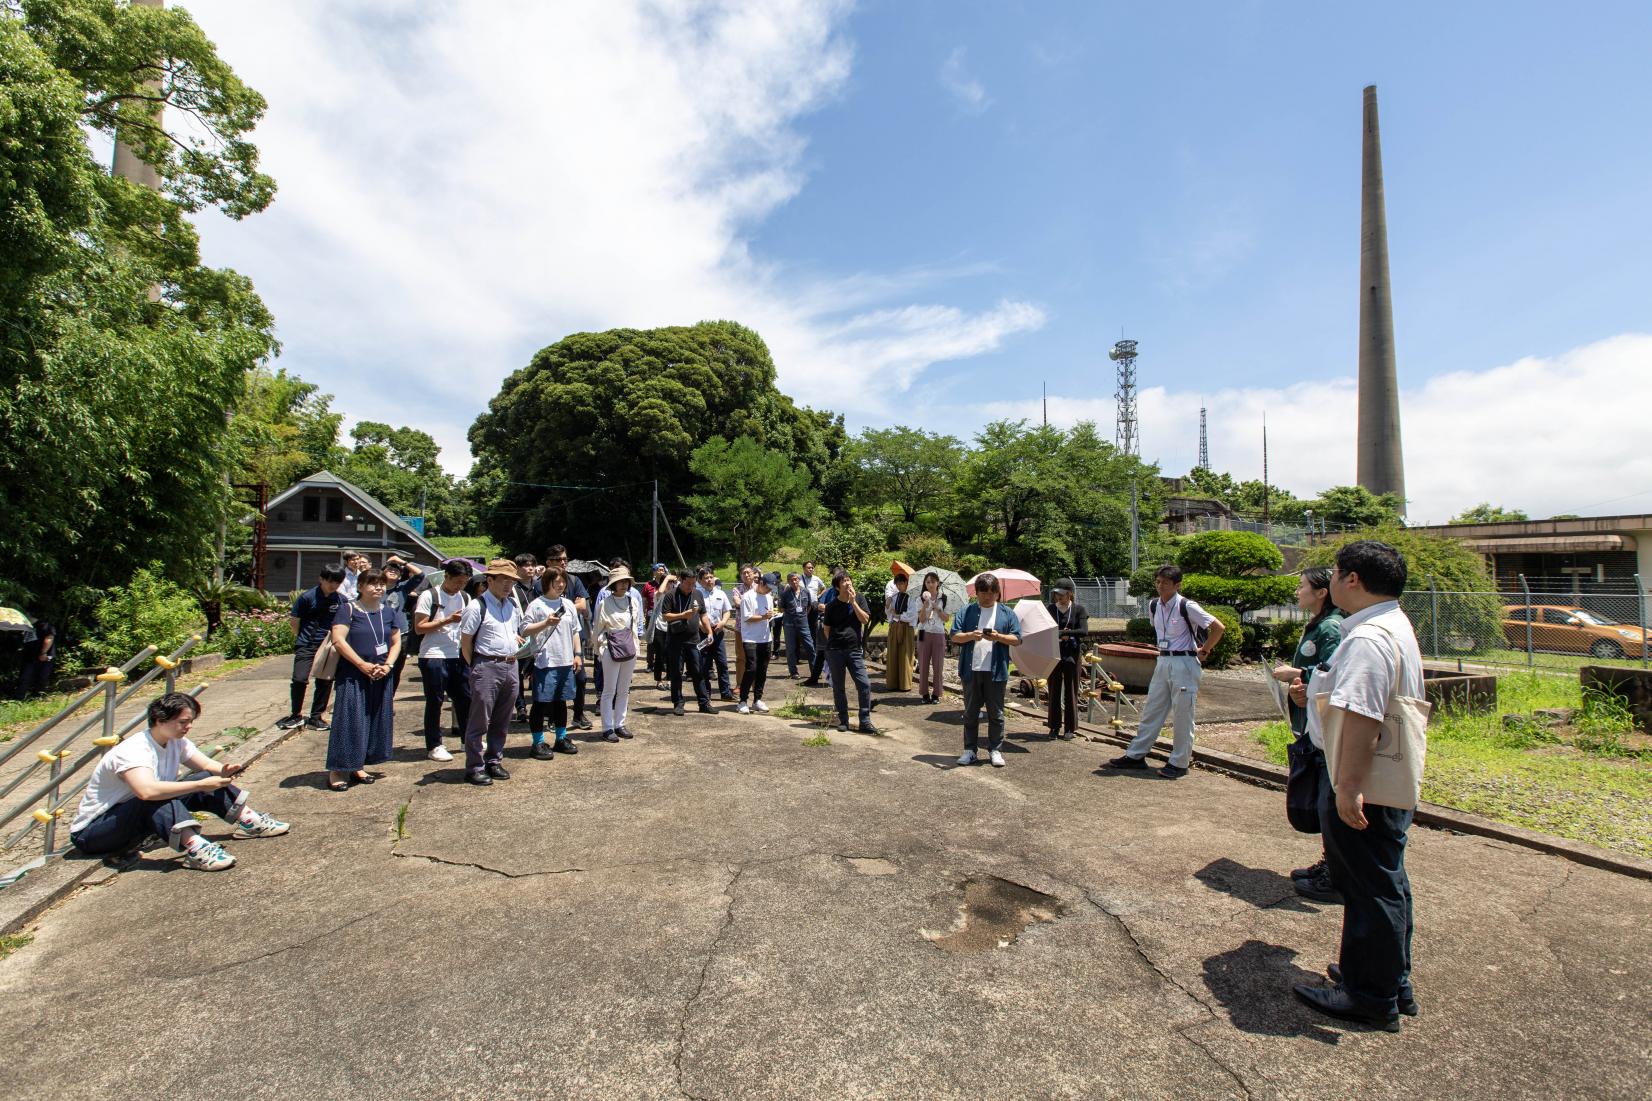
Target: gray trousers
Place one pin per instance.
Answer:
(980, 690)
(493, 690)
(1171, 694)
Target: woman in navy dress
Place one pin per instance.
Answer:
(368, 637)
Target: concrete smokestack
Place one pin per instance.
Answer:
(1381, 464)
(127, 164)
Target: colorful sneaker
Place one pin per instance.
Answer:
(209, 857)
(263, 825)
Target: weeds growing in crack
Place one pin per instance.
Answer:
(10, 943)
(401, 821)
(818, 740)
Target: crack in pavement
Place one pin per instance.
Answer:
(700, 984)
(1548, 895)
(488, 868)
(305, 943)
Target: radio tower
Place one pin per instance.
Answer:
(1204, 440)
(1126, 435)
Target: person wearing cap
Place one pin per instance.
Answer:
(797, 605)
(758, 612)
(490, 634)
(1072, 623)
(903, 633)
(615, 622)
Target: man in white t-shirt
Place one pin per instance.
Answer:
(1377, 660)
(1174, 689)
(720, 610)
(134, 792)
(442, 667)
(758, 611)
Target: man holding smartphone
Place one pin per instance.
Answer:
(986, 630)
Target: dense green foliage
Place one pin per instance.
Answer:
(1470, 619)
(752, 497)
(847, 545)
(1229, 554)
(1338, 506)
(148, 610)
(907, 468)
(1227, 647)
(1227, 568)
(567, 450)
(120, 354)
(254, 634)
(1487, 513)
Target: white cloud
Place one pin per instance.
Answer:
(1564, 433)
(970, 93)
(461, 184)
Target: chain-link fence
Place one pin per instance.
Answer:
(1105, 598)
(1562, 630)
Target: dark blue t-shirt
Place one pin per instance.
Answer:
(315, 612)
(371, 633)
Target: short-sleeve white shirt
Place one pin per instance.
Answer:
(1363, 670)
(556, 646)
(495, 625)
(815, 586)
(983, 648)
(1171, 627)
(717, 604)
(108, 786)
(756, 603)
(439, 604)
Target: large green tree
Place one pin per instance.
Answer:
(907, 467)
(568, 450)
(751, 499)
(121, 356)
(1488, 513)
(399, 466)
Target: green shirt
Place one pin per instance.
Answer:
(1314, 650)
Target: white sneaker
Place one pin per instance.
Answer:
(262, 825)
(968, 758)
(997, 759)
(439, 753)
(761, 706)
(209, 857)
(742, 710)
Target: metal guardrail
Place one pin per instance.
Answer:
(45, 803)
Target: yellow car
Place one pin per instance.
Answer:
(1561, 628)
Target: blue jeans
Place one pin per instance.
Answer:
(444, 678)
(800, 642)
(124, 826)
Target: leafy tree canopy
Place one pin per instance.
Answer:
(907, 467)
(752, 497)
(567, 451)
(1487, 513)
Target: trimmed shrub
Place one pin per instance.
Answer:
(1233, 637)
(1229, 554)
(147, 610)
(1140, 629)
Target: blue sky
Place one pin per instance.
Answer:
(931, 208)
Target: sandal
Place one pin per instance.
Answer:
(362, 778)
(337, 785)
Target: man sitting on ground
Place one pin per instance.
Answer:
(135, 793)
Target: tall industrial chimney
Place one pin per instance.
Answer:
(127, 164)
(1381, 465)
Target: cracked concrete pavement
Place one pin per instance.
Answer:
(715, 910)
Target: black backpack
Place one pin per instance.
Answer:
(1200, 634)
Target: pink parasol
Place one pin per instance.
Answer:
(1040, 647)
(1012, 584)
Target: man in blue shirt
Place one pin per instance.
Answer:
(986, 630)
(312, 621)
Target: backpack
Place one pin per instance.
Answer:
(1200, 634)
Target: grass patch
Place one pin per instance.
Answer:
(1585, 783)
(21, 716)
(479, 547)
(11, 942)
(401, 820)
(818, 740)
(797, 706)
(240, 733)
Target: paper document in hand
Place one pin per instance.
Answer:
(1281, 696)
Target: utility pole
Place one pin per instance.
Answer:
(654, 526)
(1267, 494)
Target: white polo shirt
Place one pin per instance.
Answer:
(1363, 670)
(717, 604)
(1171, 628)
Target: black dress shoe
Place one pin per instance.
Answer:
(1320, 889)
(866, 728)
(1126, 761)
(622, 732)
(478, 777)
(1312, 871)
(566, 745)
(707, 709)
(1407, 1001)
(542, 751)
(497, 771)
(812, 682)
(1171, 772)
(727, 697)
(582, 724)
(610, 735)
(1335, 1001)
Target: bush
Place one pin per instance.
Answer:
(923, 549)
(869, 584)
(1280, 639)
(845, 546)
(1233, 638)
(971, 564)
(1140, 629)
(148, 610)
(1229, 554)
(254, 634)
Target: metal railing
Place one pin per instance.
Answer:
(44, 802)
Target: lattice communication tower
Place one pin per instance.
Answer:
(1125, 433)
(1204, 441)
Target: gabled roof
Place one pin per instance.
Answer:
(326, 479)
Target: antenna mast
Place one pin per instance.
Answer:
(1204, 439)
(1127, 436)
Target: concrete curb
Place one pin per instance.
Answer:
(1431, 815)
(44, 887)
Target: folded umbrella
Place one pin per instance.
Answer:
(1012, 584)
(1040, 648)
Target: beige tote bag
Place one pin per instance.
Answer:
(1396, 775)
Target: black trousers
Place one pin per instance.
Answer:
(757, 670)
(36, 677)
(444, 679)
(680, 654)
(1368, 867)
(718, 655)
(850, 665)
(1063, 689)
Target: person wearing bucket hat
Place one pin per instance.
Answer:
(490, 634)
(615, 622)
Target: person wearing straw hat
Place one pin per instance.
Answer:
(615, 623)
(903, 632)
(490, 634)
